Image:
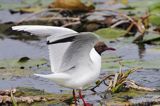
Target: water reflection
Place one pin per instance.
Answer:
(141, 50)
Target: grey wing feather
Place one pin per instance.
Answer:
(78, 51)
(56, 51)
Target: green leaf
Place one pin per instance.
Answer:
(155, 13)
(15, 63)
(34, 5)
(13, 68)
(147, 64)
(149, 38)
(110, 33)
(117, 88)
(155, 19)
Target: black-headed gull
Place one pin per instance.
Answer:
(75, 58)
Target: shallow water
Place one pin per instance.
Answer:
(15, 49)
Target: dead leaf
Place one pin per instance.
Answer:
(71, 5)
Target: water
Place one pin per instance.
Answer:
(11, 49)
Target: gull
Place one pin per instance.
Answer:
(75, 58)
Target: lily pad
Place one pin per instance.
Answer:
(151, 38)
(110, 33)
(33, 5)
(14, 63)
(112, 65)
(23, 3)
(155, 19)
(150, 64)
(122, 98)
(7, 74)
(155, 14)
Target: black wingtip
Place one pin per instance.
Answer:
(64, 40)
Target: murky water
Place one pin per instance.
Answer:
(11, 48)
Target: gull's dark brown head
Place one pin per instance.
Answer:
(100, 47)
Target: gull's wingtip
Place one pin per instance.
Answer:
(40, 75)
(18, 28)
(14, 27)
(44, 76)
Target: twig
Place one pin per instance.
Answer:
(115, 79)
(125, 16)
(138, 37)
(45, 10)
(119, 23)
(97, 85)
(132, 84)
(71, 23)
(61, 18)
(34, 14)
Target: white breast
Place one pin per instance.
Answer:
(86, 74)
(96, 59)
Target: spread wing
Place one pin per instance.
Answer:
(44, 30)
(79, 50)
(56, 50)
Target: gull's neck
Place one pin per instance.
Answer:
(95, 57)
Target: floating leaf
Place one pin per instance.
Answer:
(110, 33)
(29, 9)
(155, 19)
(72, 5)
(155, 7)
(18, 73)
(25, 5)
(154, 11)
(125, 2)
(150, 38)
(15, 63)
(147, 64)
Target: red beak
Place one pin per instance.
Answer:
(110, 48)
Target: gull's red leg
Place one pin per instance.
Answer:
(80, 95)
(74, 96)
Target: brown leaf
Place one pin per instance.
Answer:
(71, 5)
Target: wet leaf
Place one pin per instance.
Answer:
(155, 7)
(14, 69)
(147, 64)
(29, 9)
(110, 33)
(7, 74)
(150, 64)
(151, 38)
(154, 11)
(81, 5)
(17, 63)
(155, 19)
(25, 5)
(125, 2)
(117, 88)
